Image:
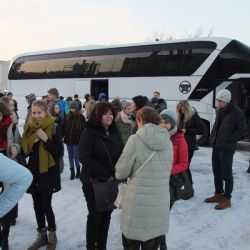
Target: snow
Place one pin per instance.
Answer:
(194, 225)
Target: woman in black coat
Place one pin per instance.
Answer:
(99, 149)
(44, 148)
(190, 123)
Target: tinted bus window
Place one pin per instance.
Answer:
(174, 59)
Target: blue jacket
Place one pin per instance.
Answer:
(64, 107)
(18, 179)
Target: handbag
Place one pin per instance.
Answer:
(105, 192)
(182, 185)
(122, 189)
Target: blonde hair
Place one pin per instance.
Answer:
(41, 104)
(89, 106)
(187, 115)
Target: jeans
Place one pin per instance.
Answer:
(43, 210)
(222, 161)
(73, 153)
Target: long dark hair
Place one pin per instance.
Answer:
(98, 111)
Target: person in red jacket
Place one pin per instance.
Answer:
(180, 157)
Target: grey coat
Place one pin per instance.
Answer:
(145, 207)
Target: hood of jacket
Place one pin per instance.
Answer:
(153, 136)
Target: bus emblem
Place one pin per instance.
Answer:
(185, 87)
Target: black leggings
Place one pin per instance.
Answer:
(43, 210)
(152, 244)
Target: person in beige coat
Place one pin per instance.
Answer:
(145, 206)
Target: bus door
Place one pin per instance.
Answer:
(99, 86)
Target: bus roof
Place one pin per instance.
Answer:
(220, 41)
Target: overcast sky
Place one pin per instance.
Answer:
(31, 25)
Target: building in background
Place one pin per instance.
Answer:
(4, 69)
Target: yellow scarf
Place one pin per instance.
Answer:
(29, 136)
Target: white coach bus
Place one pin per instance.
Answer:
(179, 69)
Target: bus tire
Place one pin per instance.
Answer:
(202, 140)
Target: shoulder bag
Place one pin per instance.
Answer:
(122, 190)
(183, 188)
(106, 192)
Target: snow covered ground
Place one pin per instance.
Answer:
(194, 225)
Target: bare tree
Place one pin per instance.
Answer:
(161, 36)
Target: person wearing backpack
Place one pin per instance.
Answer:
(44, 149)
(53, 97)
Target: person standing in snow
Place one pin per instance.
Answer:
(180, 155)
(99, 149)
(73, 126)
(158, 102)
(44, 148)
(229, 127)
(190, 123)
(53, 97)
(145, 205)
(18, 179)
(123, 123)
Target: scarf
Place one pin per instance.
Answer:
(4, 124)
(29, 136)
(172, 131)
(125, 118)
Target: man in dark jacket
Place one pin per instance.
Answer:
(158, 102)
(229, 127)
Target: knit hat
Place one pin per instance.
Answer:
(30, 98)
(169, 115)
(74, 105)
(224, 95)
(140, 101)
(125, 105)
(102, 95)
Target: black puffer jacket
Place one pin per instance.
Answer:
(92, 153)
(229, 127)
(50, 181)
(193, 127)
(73, 126)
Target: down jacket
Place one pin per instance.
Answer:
(145, 208)
(229, 127)
(18, 179)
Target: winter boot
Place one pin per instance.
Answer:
(52, 240)
(41, 240)
(163, 245)
(225, 203)
(78, 172)
(72, 175)
(215, 198)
